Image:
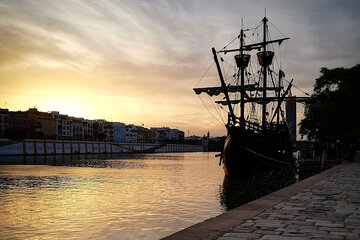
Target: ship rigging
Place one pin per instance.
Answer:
(257, 128)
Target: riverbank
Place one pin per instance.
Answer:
(324, 206)
(67, 147)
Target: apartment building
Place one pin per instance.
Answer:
(19, 125)
(43, 125)
(53, 125)
(145, 135)
(63, 126)
(108, 131)
(98, 130)
(4, 121)
(88, 129)
(164, 134)
(131, 134)
(119, 132)
(77, 129)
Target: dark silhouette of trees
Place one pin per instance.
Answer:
(333, 111)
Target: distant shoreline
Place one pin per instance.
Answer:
(29, 147)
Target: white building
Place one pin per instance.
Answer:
(131, 134)
(119, 132)
(63, 126)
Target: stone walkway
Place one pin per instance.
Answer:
(330, 209)
(324, 206)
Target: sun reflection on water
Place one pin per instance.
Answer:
(143, 197)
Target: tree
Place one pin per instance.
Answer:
(333, 111)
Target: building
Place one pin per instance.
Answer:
(119, 132)
(77, 129)
(63, 126)
(165, 134)
(42, 124)
(131, 134)
(88, 129)
(108, 131)
(98, 130)
(145, 135)
(53, 125)
(4, 121)
(160, 134)
(19, 125)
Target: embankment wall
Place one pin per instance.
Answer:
(59, 147)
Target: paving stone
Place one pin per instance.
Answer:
(326, 236)
(231, 238)
(357, 230)
(267, 232)
(294, 234)
(268, 221)
(300, 223)
(243, 229)
(248, 224)
(301, 227)
(328, 209)
(330, 225)
(269, 225)
(242, 235)
(290, 208)
(345, 234)
(272, 237)
(283, 217)
(330, 229)
(351, 238)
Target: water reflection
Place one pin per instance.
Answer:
(234, 193)
(132, 197)
(129, 196)
(238, 191)
(89, 160)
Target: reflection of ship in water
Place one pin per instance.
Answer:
(238, 191)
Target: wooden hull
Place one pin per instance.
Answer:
(246, 151)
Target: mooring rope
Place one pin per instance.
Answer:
(263, 156)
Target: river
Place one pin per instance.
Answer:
(134, 196)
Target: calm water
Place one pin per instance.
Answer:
(127, 197)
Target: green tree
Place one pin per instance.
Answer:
(333, 111)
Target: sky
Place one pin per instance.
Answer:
(137, 61)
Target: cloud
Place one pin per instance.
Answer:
(146, 56)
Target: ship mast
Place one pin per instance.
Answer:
(242, 82)
(223, 85)
(264, 75)
(242, 60)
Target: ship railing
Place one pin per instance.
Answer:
(280, 126)
(252, 126)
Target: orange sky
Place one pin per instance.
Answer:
(137, 61)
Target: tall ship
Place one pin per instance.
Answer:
(254, 88)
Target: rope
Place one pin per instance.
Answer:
(307, 94)
(209, 111)
(276, 28)
(217, 109)
(263, 156)
(202, 77)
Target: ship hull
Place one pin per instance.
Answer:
(246, 151)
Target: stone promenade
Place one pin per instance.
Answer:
(324, 206)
